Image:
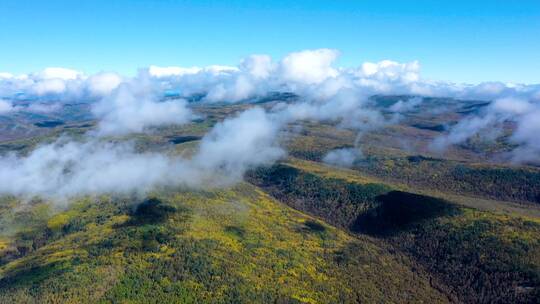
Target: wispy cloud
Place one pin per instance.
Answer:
(327, 93)
(134, 106)
(524, 113)
(68, 168)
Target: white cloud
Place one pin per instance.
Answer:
(349, 107)
(525, 114)
(67, 168)
(342, 157)
(50, 86)
(240, 89)
(391, 70)
(307, 73)
(462, 131)
(527, 137)
(103, 83)
(240, 143)
(58, 83)
(59, 73)
(513, 106)
(133, 107)
(259, 66)
(327, 92)
(159, 72)
(309, 67)
(220, 69)
(4, 75)
(5, 106)
(63, 169)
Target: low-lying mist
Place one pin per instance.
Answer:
(97, 163)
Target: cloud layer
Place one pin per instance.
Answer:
(134, 106)
(310, 73)
(68, 168)
(58, 84)
(327, 93)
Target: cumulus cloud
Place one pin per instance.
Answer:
(5, 75)
(160, 72)
(50, 86)
(102, 84)
(311, 66)
(259, 66)
(237, 144)
(59, 84)
(133, 107)
(237, 89)
(55, 81)
(309, 72)
(59, 73)
(326, 93)
(391, 70)
(256, 75)
(389, 76)
(312, 73)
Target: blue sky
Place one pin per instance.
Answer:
(462, 41)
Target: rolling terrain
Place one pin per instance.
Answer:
(402, 224)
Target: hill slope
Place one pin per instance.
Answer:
(474, 256)
(226, 246)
